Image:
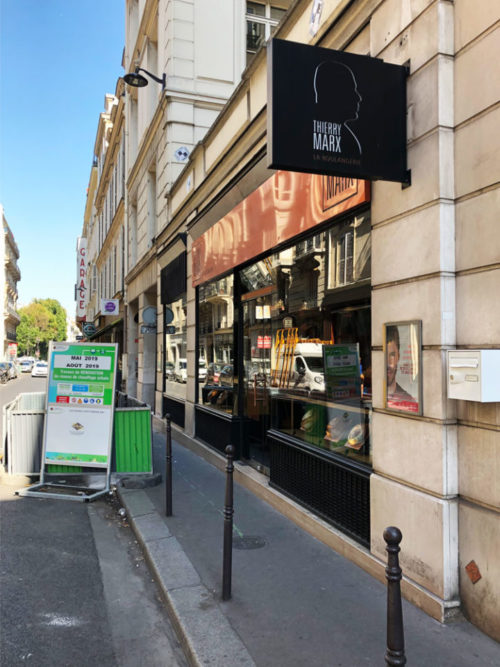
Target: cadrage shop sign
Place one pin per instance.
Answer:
(81, 277)
(335, 113)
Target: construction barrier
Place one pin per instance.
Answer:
(23, 420)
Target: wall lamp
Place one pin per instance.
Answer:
(138, 81)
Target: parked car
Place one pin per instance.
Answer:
(12, 370)
(40, 369)
(226, 376)
(4, 372)
(170, 370)
(26, 366)
(202, 370)
(213, 372)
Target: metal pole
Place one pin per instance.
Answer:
(395, 654)
(168, 470)
(228, 526)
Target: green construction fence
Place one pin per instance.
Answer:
(133, 440)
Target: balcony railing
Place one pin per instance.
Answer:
(12, 313)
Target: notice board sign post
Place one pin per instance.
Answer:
(78, 427)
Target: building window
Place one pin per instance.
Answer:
(151, 207)
(110, 276)
(122, 260)
(133, 235)
(349, 252)
(344, 259)
(114, 285)
(262, 19)
(216, 345)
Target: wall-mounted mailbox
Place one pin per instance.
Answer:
(474, 375)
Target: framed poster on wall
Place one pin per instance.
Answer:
(403, 363)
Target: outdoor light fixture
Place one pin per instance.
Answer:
(138, 81)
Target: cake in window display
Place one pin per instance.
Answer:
(345, 431)
(356, 437)
(312, 424)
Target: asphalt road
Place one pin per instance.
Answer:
(75, 589)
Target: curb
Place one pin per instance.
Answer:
(202, 628)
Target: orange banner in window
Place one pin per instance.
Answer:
(287, 204)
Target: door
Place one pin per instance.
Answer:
(257, 344)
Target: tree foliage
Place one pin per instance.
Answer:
(42, 320)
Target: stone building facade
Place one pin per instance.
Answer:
(11, 275)
(434, 259)
(261, 288)
(104, 226)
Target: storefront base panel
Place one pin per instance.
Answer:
(429, 525)
(480, 566)
(218, 430)
(175, 409)
(334, 490)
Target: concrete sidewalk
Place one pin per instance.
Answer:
(295, 601)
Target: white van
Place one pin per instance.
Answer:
(307, 367)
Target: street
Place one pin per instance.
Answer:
(75, 587)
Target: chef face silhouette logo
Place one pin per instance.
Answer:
(331, 127)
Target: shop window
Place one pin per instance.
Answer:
(215, 367)
(307, 343)
(175, 357)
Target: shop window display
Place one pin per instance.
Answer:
(175, 364)
(215, 345)
(307, 342)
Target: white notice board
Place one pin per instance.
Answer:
(80, 404)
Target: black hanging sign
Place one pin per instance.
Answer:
(335, 113)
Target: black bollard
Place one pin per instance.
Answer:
(168, 470)
(395, 654)
(228, 527)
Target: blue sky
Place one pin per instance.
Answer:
(58, 59)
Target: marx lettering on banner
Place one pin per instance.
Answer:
(335, 113)
(337, 190)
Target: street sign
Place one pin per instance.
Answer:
(146, 329)
(89, 329)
